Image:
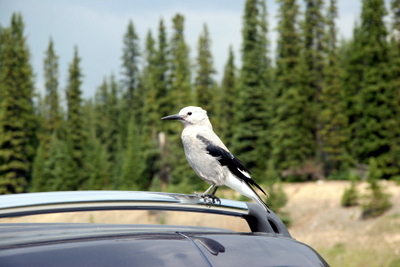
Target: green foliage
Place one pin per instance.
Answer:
(350, 195)
(312, 75)
(180, 94)
(59, 171)
(130, 63)
(320, 110)
(333, 120)
(52, 112)
(277, 198)
(374, 130)
(204, 83)
(18, 122)
(180, 66)
(377, 201)
(76, 135)
(229, 91)
(132, 171)
(292, 141)
(250, 138)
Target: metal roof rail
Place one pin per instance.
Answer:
(54, 202)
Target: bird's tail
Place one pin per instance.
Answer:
(258, 199)
(244, 188)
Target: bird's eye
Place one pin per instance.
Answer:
(189, 113)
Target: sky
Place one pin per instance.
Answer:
(97, 28)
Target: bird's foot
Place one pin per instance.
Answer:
(209, 199)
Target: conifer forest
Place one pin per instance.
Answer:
(316, 108)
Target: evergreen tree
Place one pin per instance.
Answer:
(251, 118)
(38, 180)
(164, 105)
(395, 63)
(204, 83)
(292, 140)
(106, 131)
(113, 144)
(76, 136)
(180, 94)
(376, 127)
(130, 62)
(59, 171)
(350, 195)
(152, 116)
(132, 100)
(18, 122)
(98, 160)
(314, 59)
(150, 152)
(229, 93)
(133, 167)
(333, 120)
(161, 71)
(52, 110)
(377, 201)
(180, 66)
(51, 116)
(350, 56)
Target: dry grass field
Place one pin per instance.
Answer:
(318, 220)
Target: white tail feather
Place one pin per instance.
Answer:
(244, 189)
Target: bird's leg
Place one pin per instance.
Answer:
(211, 198)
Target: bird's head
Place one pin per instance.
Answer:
(191, 116)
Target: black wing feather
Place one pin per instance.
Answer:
(226, 158)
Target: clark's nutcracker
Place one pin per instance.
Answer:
(210, 158)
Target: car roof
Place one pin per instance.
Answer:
(89, 244)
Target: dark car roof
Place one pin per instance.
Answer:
(72, 244)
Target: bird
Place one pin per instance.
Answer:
(210, 158)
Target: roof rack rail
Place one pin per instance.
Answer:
(54, 202)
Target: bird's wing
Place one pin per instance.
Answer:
(227, 159)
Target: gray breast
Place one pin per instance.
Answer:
(205, 166)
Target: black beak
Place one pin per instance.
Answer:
(172, 117)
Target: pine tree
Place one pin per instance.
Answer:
(333, 120)
(164, 105)
(180, 66)
(38, 180)
(59, 171)
(130, 62)
(395, 63)
(18, 122)
(377, 201)
(251, 117)
(314, 59)
(106, 131)
(114, 146)
(52, 114)
(98, 160)
(350, 56)
(204, 83)
(76, 136)
(229, 92)
(374, 132)
(150, 151)
(292, 140)
(180, 94)
(133, 167)
(161, 71)
(152, 116)
(132, 100)
(51, 117)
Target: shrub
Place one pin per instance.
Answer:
(377, 201)
(350, 195)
